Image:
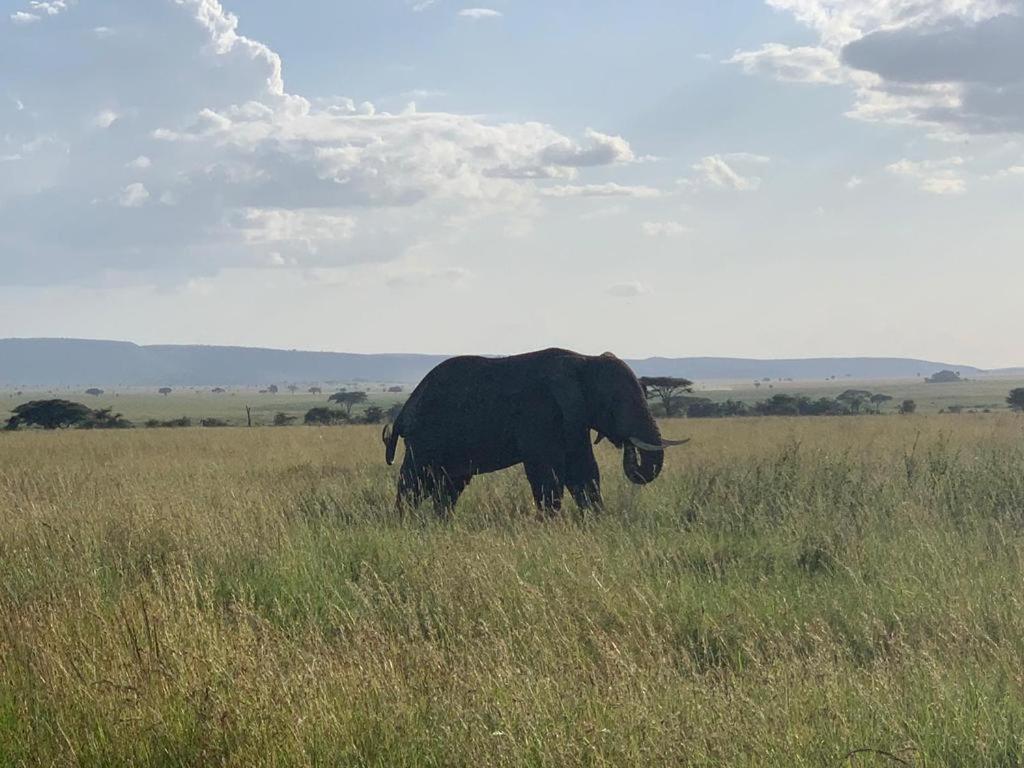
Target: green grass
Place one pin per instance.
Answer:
(789, 591)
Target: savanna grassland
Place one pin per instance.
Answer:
(788, 592)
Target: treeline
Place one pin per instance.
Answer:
(789, 405)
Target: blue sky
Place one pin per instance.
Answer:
(762, 178)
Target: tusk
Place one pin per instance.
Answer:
(671, 443)
(651, 447)
(599, 438)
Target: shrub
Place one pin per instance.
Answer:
(323, 416)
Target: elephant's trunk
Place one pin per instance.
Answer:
(643, 466)
(643, 470)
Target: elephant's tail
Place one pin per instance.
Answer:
(390, 437)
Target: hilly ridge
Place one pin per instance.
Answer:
(74, 362)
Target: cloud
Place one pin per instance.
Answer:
(796, 65)
(239, 167)
(1012, 171)
(939, 177)
(954, 66)
(714, 171)
(663, 229)
(134, 195)
(628, 290)
(412, 276)
(479, 13)
(105, 118)
(853, 182)
(600, 190)
(22, 18)
(602, 150)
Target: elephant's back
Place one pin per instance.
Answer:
(465, 401)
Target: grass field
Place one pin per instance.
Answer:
(788, 592)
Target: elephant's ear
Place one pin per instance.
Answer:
(567, 391)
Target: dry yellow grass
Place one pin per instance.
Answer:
(787, 592)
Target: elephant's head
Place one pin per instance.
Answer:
(617, 410)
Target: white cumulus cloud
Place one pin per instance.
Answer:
(628, 290)
(714, 171)
(479, 13)
(239, 166)
(939, 177)
(955, 66)
(663, 229)
(134, 195)
(600, 190)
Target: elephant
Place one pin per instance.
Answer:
(473, 415)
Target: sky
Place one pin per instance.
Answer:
(756, 178)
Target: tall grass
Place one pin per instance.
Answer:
(788, 592)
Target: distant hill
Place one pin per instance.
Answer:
(32, 363)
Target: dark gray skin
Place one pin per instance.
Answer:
(473, 415)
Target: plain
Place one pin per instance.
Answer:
(788, 592)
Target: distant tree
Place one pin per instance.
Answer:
(165, 391)
(347, 400)
(779, 405)
(854, 398)
(218, 390)
(293, 388)
(373, 415)
(1016, 399)
(94, 391)
(282, 419)
(879, 400)
(907, 407)
(944, 377)
(315, 391)
(757, 385)
(668, 389)
(213, 423)
(396, 389)
(49, 414)
(105, 419)
(704, 408)
(272, 389)
(323, 416)
(954, 409)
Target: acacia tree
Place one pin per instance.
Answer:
(1016, 399)
(347, 400)
(879, 400)
(854, 398)
(315, 391)
(165, 391)
(49, 414)
(668, 389)
(293, 388)
(94, 391)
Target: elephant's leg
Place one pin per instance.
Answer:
(547, 486)
(583, 476)
(446, 492)
(411, 486)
